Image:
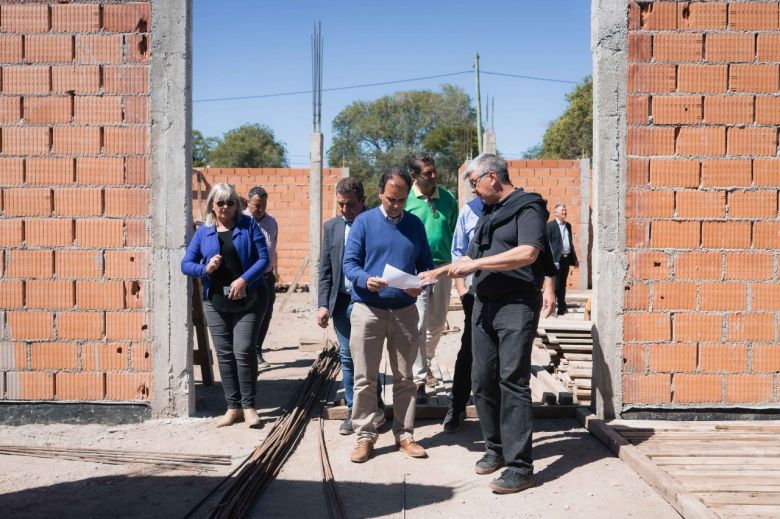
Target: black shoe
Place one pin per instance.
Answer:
(345, 429)
(421, 396)
(561, 312)
(453, 421)
(510, 482)
(261, 363)
(489, 463)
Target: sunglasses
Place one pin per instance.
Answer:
(229, 203)
(432, 205)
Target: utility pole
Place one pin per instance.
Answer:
(479, 103)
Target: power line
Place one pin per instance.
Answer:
(534, 78)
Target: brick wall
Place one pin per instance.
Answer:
(74, 201)
(702, 298)
(288, 202)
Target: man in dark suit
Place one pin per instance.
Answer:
(334, 294)
(564, 255)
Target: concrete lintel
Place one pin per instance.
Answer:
(22, 412)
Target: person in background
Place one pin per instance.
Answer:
(229, 254)
(257, 202)
(564, 255)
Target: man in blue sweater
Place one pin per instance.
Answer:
(386, 235)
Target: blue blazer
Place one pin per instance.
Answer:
(250, 245)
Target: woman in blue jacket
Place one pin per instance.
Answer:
(229, 254)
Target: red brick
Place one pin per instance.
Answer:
(79, 386)
(728, 109)
(730, 48)
(752, 16)
(136, 109)
(11, 232)
(126, 264)
(80, 325)
(136, 171)
(99, 295)
(25, 18)
(677, 47)
(751, 327)
(766, 296)
(658, 15)
(129, 17)
(753, 204)
(77, 263)
(126, 325)
(29, 385)
(114, 356)
(11, 171)
(48, 48)
(700, 204)
(638, 110)
(704, 79)
(97, 49)
(725, 235)
(754, 78)
(11, 294)
(141, 356)
(674, 296)
(675, 235)
(49, 171)
(638, 170)
(674, 172)
(644, 77)
(76, 140)
(637, 234)
(48, 232)
(647, 389)
(98, 110)
(697, 327)
(13, 355)
(78, 80)
(650, 141)
(749, 266)
(677, 109)
(75, 18)
(768, 47)
(698, 388)
(633, 358)
(766, 357)
(722, 358)
(27, 201)
(10, 110)
(701, 141)
(135, 295)
(725, 172)
(126, 79)
(767, 110)
(26, 80)
(54, 355)
(639, 47)
(648, 265)
(675, 357)
(130, 386)
(25, 141)
(766, 235)
(752, 389)
(699, 15)
(636, 297)
(137, 233)
(30, 325)
(649, 204)
(126, 202)
(126, 140)
(47, 110)
(646, 326)
(698, 265)
(723, 296)
(137, 48)
(99, 233)
(48, 293)
(634, 18)
(79, 201)
(752, 141)
(10, 48)
(100, 170)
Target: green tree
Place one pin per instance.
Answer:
(248, 146)
(369, 137)
(201, 148)
(570, 136)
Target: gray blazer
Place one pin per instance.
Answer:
(330, 263)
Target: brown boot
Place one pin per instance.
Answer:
(411, 448)
(250, 416)
(430, 379)
(362, 452)
(232, 416)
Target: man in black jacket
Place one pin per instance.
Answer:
(564, 255)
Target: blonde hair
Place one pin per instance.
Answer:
(219, 193)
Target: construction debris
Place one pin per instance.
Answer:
(569, 345)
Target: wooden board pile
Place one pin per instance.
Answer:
(569, 345)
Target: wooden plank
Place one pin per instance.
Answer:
(712, 460)
(553, 325)
(294, 284)
(751, 511)
(201, 356)
(729, 486)
(700, 451)
(740, 498)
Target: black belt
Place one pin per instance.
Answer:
(268, 274)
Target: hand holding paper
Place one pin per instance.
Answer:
(397, 278)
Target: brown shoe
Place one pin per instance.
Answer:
(411, 448)
(232, 416)
(250, 416)
(430, 379)
(362, 451)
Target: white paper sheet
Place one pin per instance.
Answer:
(397, 278)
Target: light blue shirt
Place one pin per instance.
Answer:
(464, 232)
(347, 282)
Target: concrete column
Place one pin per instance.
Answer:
(609, 44)
(173, 390)
(490, 142)
(315, 211)
(584, 230)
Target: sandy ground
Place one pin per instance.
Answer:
(576, 476)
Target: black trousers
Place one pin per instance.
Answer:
(265, 320)
(503, 335)
(461, 380)
(560, 282)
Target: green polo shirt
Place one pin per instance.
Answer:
(439, 217)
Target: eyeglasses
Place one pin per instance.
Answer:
(475, 181)
(230, 203)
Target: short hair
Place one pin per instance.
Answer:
(350, 185)
(257, 191)
(219, 193)
(394, 172)
(414, 164)
(471, 165)
(489, 162)
(559, 206)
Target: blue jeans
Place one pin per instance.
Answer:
(341, 313)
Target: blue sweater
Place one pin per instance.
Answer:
(250, 246)
(373, 242)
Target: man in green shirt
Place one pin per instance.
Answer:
(438, 210)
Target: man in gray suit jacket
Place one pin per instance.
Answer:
(334, 294)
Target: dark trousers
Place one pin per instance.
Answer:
(234, 337)
(503, 334)
(560, 282)
(265, 320)
(461, 380)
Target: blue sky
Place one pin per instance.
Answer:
(255, 47)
